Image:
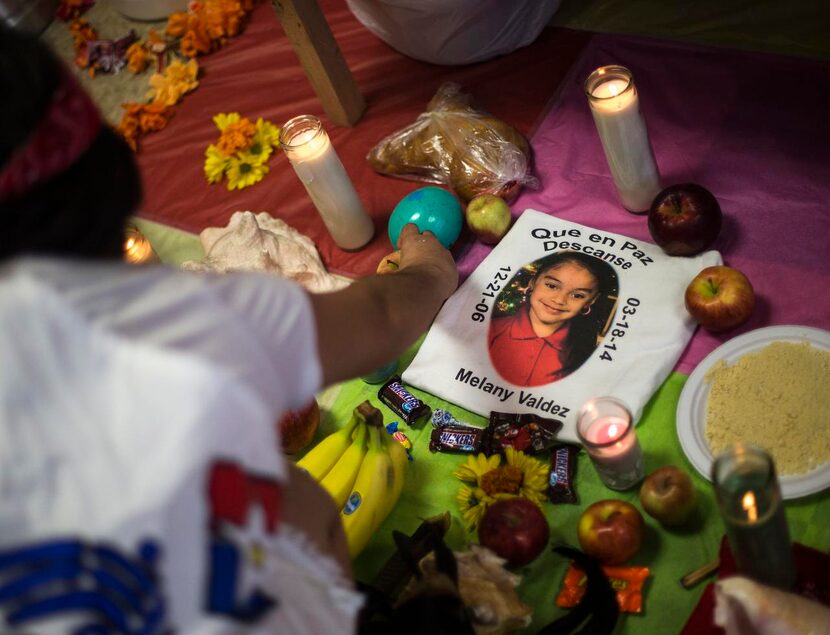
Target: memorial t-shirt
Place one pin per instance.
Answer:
(622, 343)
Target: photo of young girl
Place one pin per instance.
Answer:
(551, 317)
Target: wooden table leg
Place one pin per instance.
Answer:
(312, 40)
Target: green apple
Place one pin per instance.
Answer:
(669, 495)
(488, 217)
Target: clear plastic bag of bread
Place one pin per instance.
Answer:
(454, 144)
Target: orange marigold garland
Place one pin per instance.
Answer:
(205, 27)
(208, 24)
(140, 119)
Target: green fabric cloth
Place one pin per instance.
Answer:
(797, 28)
(172, 246)
(431, 489)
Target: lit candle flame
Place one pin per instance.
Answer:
(749, 506)
(612, 431)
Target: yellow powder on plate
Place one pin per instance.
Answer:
(777, 397)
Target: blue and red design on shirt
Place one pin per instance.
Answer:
(238, 543)
(100, 587)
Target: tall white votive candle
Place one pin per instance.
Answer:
(606, 431)
(615, 107)
(317, 165)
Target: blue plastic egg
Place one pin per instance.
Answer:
(431, 209)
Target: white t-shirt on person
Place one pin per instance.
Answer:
(140, 467)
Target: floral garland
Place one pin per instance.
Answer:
(242, 151)
(206, 26)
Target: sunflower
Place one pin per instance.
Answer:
(215, 164)
(490, 480)
(242, 172)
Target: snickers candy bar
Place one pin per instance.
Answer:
(402, 402)
(561, 488)
(455, 439)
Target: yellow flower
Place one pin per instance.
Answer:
(534, 474)
(490, 481)
(259, 150)
(473, 502)
(223, 120)
(476, 466)
(269, 132)
(177, 80)
(215, 164)
(243, 173)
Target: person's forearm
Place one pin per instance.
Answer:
(373, 321)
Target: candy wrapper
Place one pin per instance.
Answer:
(561, 481)
(528, 433)
(403, 403)
(454, 144)
(627, 583)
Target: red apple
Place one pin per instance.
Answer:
(611, 531)
(389, 263)
(669, 495)
(488, 217)
(684, 219)
(297, 427)
(514, 529)
(720, 298)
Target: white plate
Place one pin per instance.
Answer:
(691, 408)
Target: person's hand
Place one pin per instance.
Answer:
(423, 250)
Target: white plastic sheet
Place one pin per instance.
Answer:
(455, 31)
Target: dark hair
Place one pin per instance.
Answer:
(81, 211)
(584, 329)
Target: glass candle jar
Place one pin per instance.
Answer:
(137, 249)
(615, 107)
(750, 502)
(317, 165)
(606, 431)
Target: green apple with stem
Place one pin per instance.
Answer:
(488, 217)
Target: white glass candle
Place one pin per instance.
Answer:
(137, 249)
(316, 163)
(615, 106)
(606, 431)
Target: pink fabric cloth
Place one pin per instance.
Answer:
(749, 127)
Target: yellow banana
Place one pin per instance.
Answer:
(400, 463)
(365, 508)
(341, 478)
(322, 457)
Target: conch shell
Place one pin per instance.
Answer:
(488, 590)
(260, 242)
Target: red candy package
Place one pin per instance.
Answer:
(627, 582)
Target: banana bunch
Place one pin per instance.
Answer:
(363, 469)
